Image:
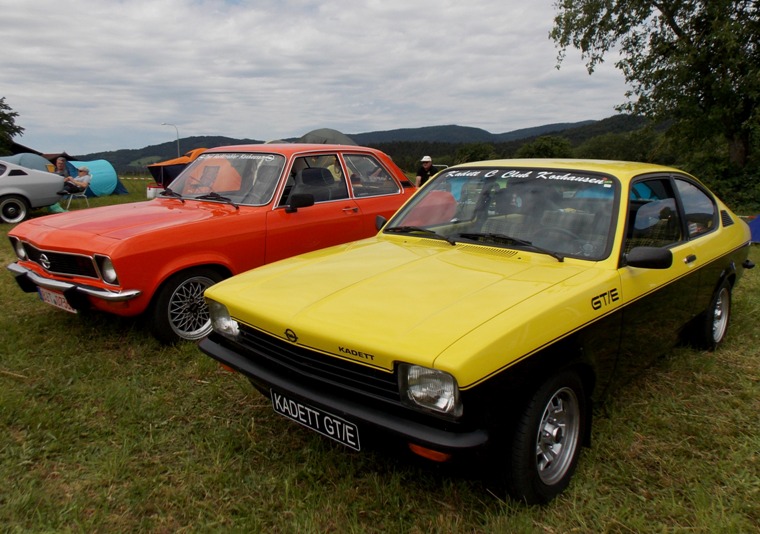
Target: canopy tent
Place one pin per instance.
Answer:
(30, 161)
(164, 172)
(327, 136)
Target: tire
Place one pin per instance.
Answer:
(547, 440)
(713, 324)
(13, 209)
(179, 311)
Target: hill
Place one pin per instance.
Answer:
(415, 140)
(458, 134)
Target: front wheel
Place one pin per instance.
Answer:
(13, 209)
(179, 311)
(547, 440)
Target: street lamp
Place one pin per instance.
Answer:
(177, 130)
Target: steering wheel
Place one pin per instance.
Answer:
(569, 242)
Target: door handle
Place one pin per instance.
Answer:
(691, 258)
(352, 209)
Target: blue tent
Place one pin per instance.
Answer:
(104, 179)
(754, 226)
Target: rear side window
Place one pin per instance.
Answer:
(368, 177)
(699, 209)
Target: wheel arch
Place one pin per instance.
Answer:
(219, 268)
(513, 386)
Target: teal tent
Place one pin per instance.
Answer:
(104, 179)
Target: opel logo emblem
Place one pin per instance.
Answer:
(44, 261)
(292, 337)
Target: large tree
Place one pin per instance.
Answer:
(8, 127)
(695, 62)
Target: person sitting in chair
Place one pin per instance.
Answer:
(76, 185)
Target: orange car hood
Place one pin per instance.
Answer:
(121, 221)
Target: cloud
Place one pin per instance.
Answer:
(89, 76)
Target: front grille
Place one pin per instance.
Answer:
(314, 365)
(62, 263)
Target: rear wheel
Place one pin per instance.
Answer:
(179, 311)
(547, 440)
(13, 209)
(713, 325)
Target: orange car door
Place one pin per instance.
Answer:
(333, 219)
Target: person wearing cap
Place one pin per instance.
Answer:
(425, 171)
(76, 185)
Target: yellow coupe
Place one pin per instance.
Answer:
(490, 313)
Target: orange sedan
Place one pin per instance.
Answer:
(231, 210)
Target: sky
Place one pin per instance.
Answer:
(91, 76)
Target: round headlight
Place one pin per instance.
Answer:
(108, 272)
(18, 246)
(221, 321)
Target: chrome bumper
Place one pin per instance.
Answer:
(29, 281)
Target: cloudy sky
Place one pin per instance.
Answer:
(97, 75)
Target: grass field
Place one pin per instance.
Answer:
(104, 430)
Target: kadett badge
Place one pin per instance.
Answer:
(356, 353)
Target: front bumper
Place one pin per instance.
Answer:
(363, 414)
(75, 294)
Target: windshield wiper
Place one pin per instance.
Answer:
(415, 229)
(169, 193)
(478, 236)
(216, 196)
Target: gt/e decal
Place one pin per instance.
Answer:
(605, 299)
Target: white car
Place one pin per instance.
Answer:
(22, 189)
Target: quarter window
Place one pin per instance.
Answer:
(699, 209)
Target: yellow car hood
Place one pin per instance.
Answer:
(383, 300)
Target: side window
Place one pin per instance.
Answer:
(319, 175)
(652, 216)
(368, 177)
(699, 209)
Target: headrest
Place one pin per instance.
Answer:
(316, 176)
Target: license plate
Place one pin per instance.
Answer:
(325, 423)
(55, 299)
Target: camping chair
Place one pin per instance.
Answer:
(80, 195)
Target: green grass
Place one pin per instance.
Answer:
(104, 430)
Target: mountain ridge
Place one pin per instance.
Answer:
(135, 160)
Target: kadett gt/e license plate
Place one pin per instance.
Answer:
(320, 421)
(55, 299)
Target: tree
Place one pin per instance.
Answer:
(696, 62)
(474, 152)
(548, 146)
(8, 126)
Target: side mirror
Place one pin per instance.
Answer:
(649, 258)
(299, 200)
(380, 222)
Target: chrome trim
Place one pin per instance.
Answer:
(57, 285)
